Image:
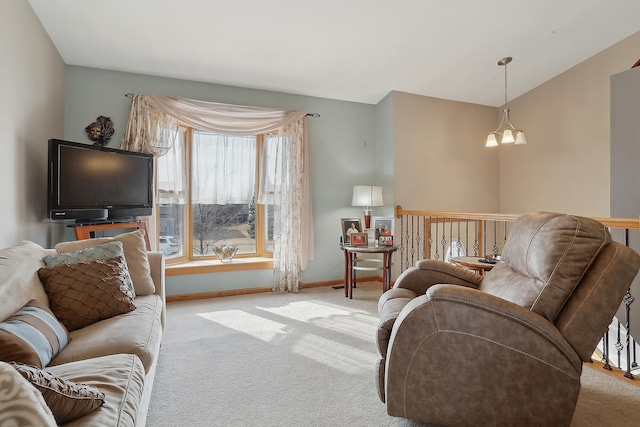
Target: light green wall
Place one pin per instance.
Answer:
(342, 154)
(31, 112)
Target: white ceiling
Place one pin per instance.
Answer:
(355, 50)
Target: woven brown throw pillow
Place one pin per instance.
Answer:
(83, 293)
(135, 252)
(66, 399)
(104, 251)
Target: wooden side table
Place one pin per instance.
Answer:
(351, 262)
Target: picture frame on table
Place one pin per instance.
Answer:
(383, 226)
(359, 239)
(385, 240)
(348, 227)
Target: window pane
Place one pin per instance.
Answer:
(171, 236)
(223, 197)
(217, 225)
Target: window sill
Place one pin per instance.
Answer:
(216, 266)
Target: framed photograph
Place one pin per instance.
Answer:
(359, 239)
(350, 226)
(385, 240)
(383, 226)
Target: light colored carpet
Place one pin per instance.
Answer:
(303, 359)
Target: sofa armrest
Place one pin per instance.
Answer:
(156, 264)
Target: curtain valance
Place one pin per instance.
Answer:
(224, 118)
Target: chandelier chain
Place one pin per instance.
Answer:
(505, 85)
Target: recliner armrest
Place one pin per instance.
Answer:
(429, 272)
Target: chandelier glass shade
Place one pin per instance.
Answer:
(506, 130)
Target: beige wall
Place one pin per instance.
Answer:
(31, 112)
(440, 162)
(565, 165)
(384, 170)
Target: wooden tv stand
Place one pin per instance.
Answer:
(87, 231)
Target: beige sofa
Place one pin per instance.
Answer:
(118, 355)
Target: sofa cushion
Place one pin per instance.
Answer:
(19, 281)
(66, 399)
(120, 377)
(21, 404)
(103, 251)
(135, 253)
(32, 335)
(137, 332)
(86, 292)
(545, 257)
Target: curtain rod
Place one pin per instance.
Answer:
(314, 115)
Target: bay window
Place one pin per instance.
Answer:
(227, 174)
(207, 192)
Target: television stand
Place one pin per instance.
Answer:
(83, 222)
(87, 230)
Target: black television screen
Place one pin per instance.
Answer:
(89, 182)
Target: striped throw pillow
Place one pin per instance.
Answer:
(33, 335)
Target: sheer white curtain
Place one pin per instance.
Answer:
(289, 189)
(232, 179)
(171, 176)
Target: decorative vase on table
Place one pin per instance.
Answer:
(225, 253)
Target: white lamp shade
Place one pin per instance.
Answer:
(520, 139)
(367, 195)
(491, 141)
(507, 136)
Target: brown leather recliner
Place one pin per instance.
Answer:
(459, 349)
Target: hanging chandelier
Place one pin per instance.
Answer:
(506, 130)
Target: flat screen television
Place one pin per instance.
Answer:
(92, 183)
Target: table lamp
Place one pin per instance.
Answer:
(367, 196)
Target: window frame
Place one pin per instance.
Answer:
(188, 262)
